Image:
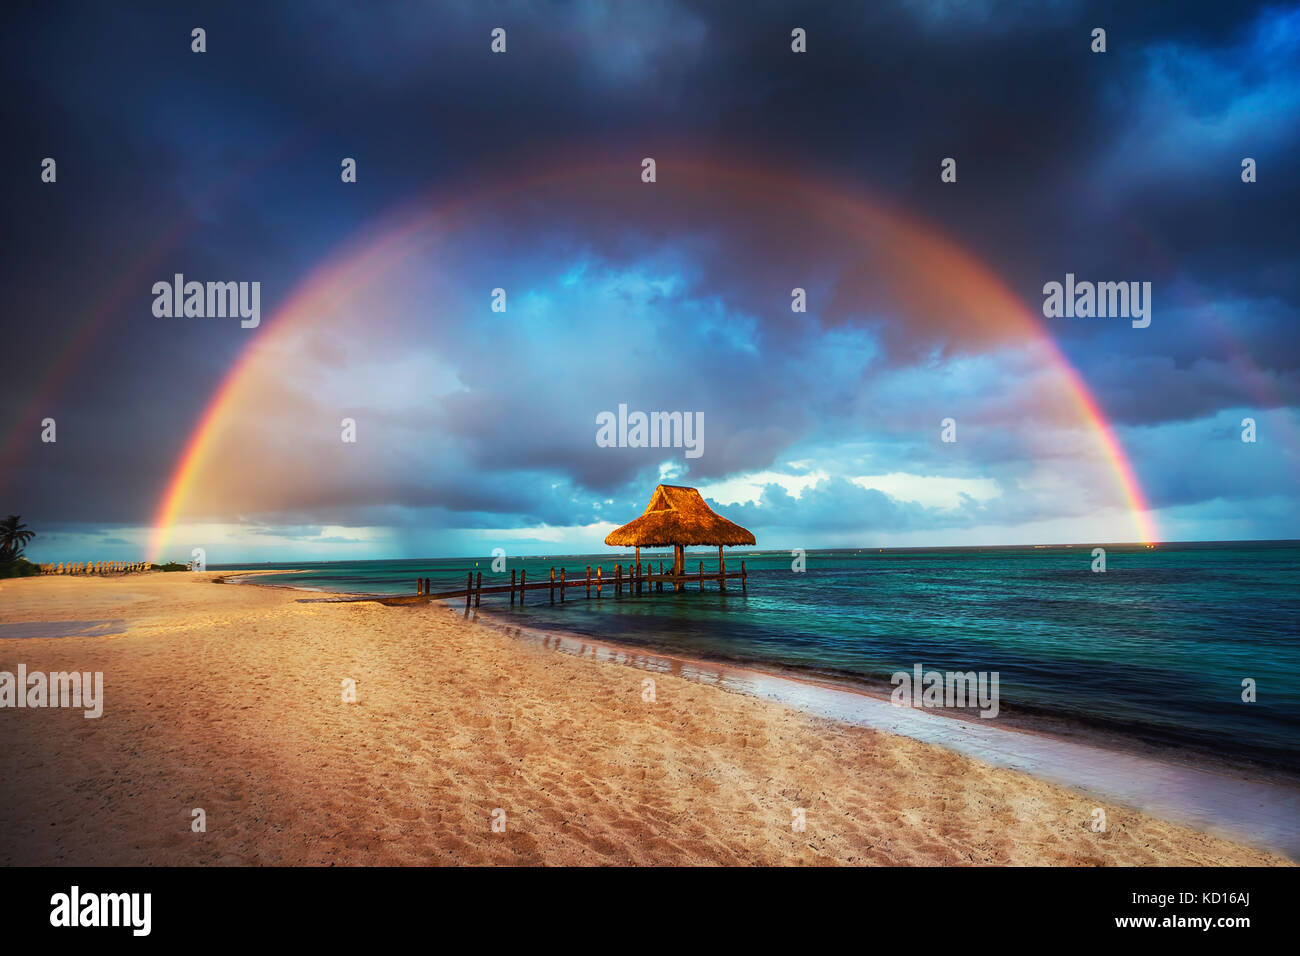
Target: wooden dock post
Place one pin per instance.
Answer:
(722, 570)
(478, 590)
(561, 585)
(512, 587)
(618, 579)
(552, 585)
(598, 573)
(744, 577)
(523, 579)
(638, 574)
(659, 585)
(428, 585)
(419, 585)
(589, 582)
(701, 575)
(469, 587)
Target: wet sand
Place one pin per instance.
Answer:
(229, 698)
(1208, 794)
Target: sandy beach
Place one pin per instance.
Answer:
(229, 698)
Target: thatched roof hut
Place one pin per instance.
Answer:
(677, 516)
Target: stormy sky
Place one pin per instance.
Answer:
(522, 170)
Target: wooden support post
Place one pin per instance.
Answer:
(589, 582)
(469, 587)
(512, 587)
(419, 585)
(598, 573)
(679, 566)
(428, 585)
(523, 580)
(701, 575)
(552, 585)
(661, 575)
(744, 578)
(618, 579)
(722, 570)
(561, 585)
(478, 589)
(636, 579)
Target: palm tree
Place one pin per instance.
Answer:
(14, 536)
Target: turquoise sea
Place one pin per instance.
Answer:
(1156, 648)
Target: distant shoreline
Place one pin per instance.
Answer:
(666, 555)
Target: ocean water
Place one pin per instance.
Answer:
(1156, 648)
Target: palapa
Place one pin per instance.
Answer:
(678, 516)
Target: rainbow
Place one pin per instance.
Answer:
(929, 256)
(134, 276)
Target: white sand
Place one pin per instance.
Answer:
(228, 698)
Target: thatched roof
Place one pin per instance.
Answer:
(678, 515)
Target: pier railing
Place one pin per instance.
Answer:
(636, 581)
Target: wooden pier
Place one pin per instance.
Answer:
(676, 517)
(636, 580)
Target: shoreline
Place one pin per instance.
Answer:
(1258, 809)
(228, 699)
(1178, 784)
(1013, 717)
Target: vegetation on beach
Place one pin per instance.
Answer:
(18, 568)
(14, 536)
